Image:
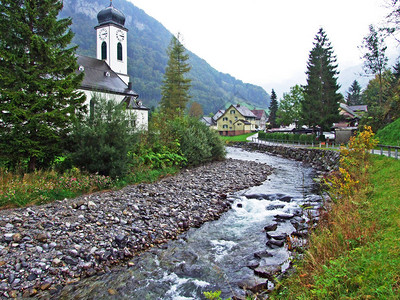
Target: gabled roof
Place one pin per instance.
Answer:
(207, 120)
(218, 114)
(258, 113)
(244, 111)
(348, 111)
(100, 77)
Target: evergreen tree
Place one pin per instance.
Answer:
(273, 108)
(175, 89)
(321, 98)
(38, 83)
(354, 96)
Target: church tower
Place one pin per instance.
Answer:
(112, 40)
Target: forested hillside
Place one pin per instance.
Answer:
(147, 43)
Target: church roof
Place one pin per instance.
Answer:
(111, 15)
(99, 77)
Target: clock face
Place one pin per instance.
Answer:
(120, 35)
(103, 34)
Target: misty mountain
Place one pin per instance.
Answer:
(147, 43)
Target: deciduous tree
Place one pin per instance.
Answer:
(375, 59)
(290, 106)
(196, 110)
(38, 83)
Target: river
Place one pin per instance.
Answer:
(225, 254)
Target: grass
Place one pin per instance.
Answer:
(390, 135)
(354, 254)
(46, 186)
(237, 138)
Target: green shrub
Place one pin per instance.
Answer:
(101, 142)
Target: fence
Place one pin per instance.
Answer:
(327, 144)
(389, 151)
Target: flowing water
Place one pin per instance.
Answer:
(221, 254)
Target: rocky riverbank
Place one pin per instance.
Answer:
(46, 247)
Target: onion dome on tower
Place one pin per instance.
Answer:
(111, 15)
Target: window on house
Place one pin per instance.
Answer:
(233, 111)
(225, 126)
(119, 51)
(230, 121)
(224, 119)
(104, 50)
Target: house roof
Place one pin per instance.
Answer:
(207, 120)
(360, 108)
(100, 77)
(258, 113)
(218, 114)
(244, 111)
(347, 111)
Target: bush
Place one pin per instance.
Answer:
(102, 141)
(197, 142)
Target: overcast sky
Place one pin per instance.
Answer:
(267, 42)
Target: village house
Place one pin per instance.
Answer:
(235, 120)
(107, 75)
(261, 118)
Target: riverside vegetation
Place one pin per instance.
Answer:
(353, 252)
(104, 153)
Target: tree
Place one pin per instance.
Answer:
(375, 59)
(273, 108)
(38, 83)
(196, 110)
(354, 94)
(321, 98)
(290, 106)
(175, 89)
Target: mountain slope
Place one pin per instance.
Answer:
(147, 43)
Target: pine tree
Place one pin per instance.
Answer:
(354, 96)
(321, 98)
(175, 89)
(273, 108)
(38, 83)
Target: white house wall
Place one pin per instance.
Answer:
(141, 115)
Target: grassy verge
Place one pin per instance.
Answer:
(354, 254)
(236, 138)
(46, 186)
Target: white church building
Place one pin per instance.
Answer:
(107, 75)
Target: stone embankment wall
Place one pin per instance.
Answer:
(322, 160)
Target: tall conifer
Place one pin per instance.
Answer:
(175, 89)
(273, 108)
(321, 98)
(38, 83)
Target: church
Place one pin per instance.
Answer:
(107, 75)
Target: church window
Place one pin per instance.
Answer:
(104, 50)
(119, 51)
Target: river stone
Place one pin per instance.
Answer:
(275, 244)
(271, 227)
(268, 271)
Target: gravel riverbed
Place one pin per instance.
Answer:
(46, 247)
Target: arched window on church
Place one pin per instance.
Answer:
(119, 51)
(104, 50)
